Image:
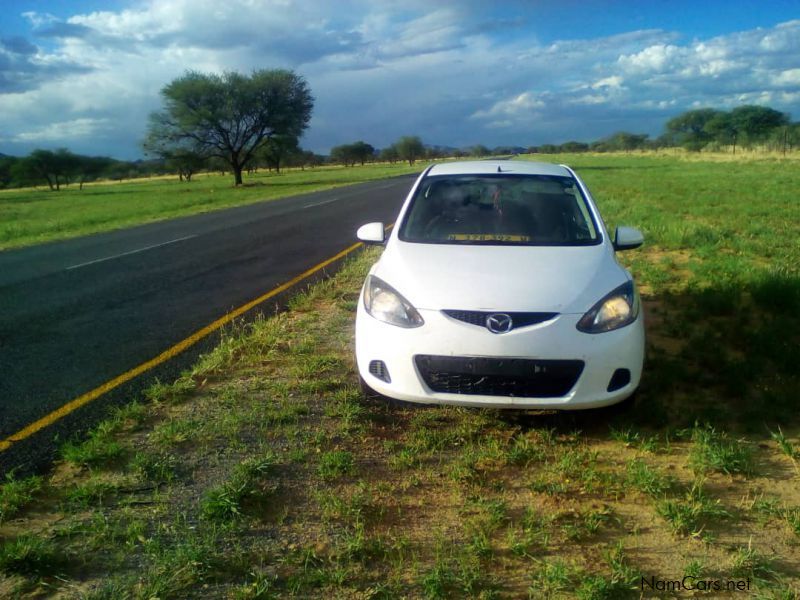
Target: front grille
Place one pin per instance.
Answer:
(519, 319)
(517, 377)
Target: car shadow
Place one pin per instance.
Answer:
(727, 355)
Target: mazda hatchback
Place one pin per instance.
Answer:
(499, 286)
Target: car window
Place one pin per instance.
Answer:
(541, 210)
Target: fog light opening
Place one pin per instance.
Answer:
(379, 370)
(619, 379)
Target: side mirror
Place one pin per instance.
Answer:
(371, 233)
(627, 238)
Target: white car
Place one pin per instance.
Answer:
(499, 287)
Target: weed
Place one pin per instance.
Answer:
(177, 564)
(632, 438)
(155, 467)
(29, 555)
(690, 514)
(224, 502)
(406, 458)
(351, 508)
(792, 518)
(335, 464)
(784, 444)
(356, 545)
(582, 525)
(714, 451)
(547, 485)
(694, 568)
(176, 431)
(170, 393)
(129, 416)
(552, 577)
(15, 494)
(523, 451)
(99, 447)
(748, 562)
(647, 480)
(88, 494)
(620, 584)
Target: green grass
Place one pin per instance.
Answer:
(225, 501)
(336, 463)
(28, 555)
(693, 512)
(15, 494)
(33, 216)
(99, 448)
(173, 496)
(715, 451)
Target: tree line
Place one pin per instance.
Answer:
(234, 123)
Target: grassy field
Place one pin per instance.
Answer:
(32, 216)
(263, 473)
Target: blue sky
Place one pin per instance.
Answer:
(84, 74)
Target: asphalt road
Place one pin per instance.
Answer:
(78, 313)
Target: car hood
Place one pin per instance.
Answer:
(503, 278)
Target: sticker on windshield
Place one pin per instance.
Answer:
(487, 237)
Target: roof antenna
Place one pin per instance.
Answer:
(499, 169)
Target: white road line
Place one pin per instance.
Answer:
(359, 192)
(321, 203)
(91, 262)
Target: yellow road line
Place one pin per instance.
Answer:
(75, 404)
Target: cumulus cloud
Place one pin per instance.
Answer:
(379, 70)
(506, 112)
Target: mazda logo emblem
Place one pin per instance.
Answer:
(499, 323)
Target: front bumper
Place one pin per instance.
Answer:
(556, 341)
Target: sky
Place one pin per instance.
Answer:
(85, 74)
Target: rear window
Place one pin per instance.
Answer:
(534, 210)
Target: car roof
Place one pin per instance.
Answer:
(486, 167)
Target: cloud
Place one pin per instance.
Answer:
(445, 71)
(523, 105)
(62, 131)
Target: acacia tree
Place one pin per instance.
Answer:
(275, 151)
(52, 167)
(410, 148)
(230, 116)
(689, 128)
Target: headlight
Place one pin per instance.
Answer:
(617, 309)
(386, 304)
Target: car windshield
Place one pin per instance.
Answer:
(534, 210)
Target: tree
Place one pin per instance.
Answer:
(186, 162)
(7, 170)
(410, 148)
(690, 127)
(277, 149)
(231, 115)
(343, 154)
(89, 168)
(479, 150)
(45, 165)
(363, 151)
(350, 154)
(723, 128)
(389, 155)
(573, 147)
(757, 122)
